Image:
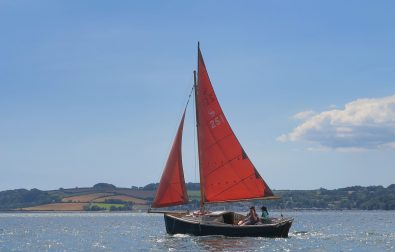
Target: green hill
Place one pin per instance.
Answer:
(101, 196)
(104, 196)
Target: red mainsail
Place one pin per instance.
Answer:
(172, 190)
(226, 172)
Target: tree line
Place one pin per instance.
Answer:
(14, 199)
(355, 197)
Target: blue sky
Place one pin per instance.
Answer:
(93, 91)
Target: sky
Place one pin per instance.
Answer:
(93, 91)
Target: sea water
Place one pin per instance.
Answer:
(311, 231)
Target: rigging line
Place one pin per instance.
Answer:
(189, 97)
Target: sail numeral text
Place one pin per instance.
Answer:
(216, 121)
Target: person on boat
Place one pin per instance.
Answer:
(265, 215)
(251, 218)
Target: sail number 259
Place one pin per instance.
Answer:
(216, 121)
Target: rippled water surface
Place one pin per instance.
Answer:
(311, 231)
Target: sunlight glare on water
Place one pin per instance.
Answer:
(311, 231)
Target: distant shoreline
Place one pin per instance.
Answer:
(104, 197)
(125, 212)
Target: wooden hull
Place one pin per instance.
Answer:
(178, 224)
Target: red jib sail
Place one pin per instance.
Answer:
(227, 174)
(172, 190)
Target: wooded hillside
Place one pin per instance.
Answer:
(104, 196)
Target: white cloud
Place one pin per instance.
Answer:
(362, 124)
(304, 115)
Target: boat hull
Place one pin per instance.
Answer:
(179, 225)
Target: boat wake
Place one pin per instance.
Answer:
(181, 235)
(299, 233)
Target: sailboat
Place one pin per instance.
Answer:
(226, 174)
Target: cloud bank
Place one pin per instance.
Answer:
(362, 124)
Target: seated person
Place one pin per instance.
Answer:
(265, 215)
(251, 219)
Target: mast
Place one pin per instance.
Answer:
(197, 132)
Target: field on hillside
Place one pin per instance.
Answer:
(123, 198)
(107, 206)
(85, 197)
(136, 193)
(58, 207)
